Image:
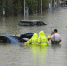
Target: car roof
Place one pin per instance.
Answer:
(6, 35)
(13, 41)
(30, 20)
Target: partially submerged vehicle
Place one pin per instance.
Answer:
(22, 39)
(14, 39)
(38, 40)
(31, 23)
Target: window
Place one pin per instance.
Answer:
(42, 23)
(25, 23)
(38, 23)
(4, 39)
(19, 39)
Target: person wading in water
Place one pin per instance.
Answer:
(55, 37)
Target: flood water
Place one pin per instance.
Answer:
(21, 55)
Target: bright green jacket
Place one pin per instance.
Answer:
(33, 40)
(42, 40)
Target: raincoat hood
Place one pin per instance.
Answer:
(35, 35)
(33, 40)
(42, 38)
(41, 33)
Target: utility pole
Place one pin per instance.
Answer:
(24, 9)
(41, 6)
(41, 9)
(54, 3)
(51, 5)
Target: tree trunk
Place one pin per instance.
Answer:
(15, 10)
(30, 11)
(6, 9)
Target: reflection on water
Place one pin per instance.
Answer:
(38, 54)
(56, 46)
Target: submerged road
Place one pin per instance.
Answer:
(21, 55)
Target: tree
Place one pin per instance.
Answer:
(12, 7)
(39, 5)
(45, 4)
(22, 5)
(32, 4)
(1, 6)
(17, 6)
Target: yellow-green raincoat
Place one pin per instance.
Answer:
(42, 40)
(33, 40)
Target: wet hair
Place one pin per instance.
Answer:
(55, 30)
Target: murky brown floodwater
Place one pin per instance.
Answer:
(21, 55)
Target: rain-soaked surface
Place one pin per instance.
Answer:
(31, 55)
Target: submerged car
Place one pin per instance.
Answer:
(31, 23)
(14, 39)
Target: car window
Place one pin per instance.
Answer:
(4, 39)
(26, 23)
(38, 23)
(18, 39)
(42, 23)
(15, 37)
(34, 23)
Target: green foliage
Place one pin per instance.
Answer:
(45, 4)
(17, 5)
(32, 4)
(14, 6)
(1, 6)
